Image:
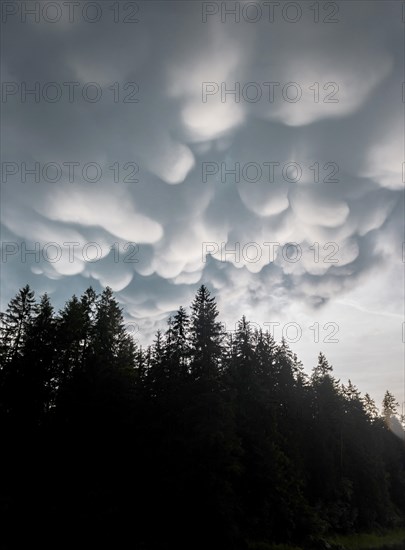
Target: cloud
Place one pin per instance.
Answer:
(113, 213)
(315, 209)
(347, 201)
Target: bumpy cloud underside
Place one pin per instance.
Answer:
(192, 219)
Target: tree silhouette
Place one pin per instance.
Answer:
(206, 336)
(199, 440)
(14, 323)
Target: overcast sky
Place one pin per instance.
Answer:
(132, 139)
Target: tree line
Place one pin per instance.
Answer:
(204, 439)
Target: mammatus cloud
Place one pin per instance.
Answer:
(212, 139)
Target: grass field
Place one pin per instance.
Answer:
(394, 540)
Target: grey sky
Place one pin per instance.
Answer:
(314, 132)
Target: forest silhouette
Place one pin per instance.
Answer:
(204, 439)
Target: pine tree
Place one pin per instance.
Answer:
(265, 359)
(89, 305)
(140, 365)
(389, 409)
(178, 352)
(110, 344)
(389, 404)
(73, 328)
(157, 373)
(14, 324)
(351, 392)
(370, 408)
(284, 367)
(354, 404)
(322, 369)
(206, 336)
(243, 355)
(40, 377)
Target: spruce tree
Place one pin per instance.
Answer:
(370, 407)
(14, 324)
(40, 376)
(389, 409)
(206, 336)
(72, 336)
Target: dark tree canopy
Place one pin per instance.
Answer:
(201, 440)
